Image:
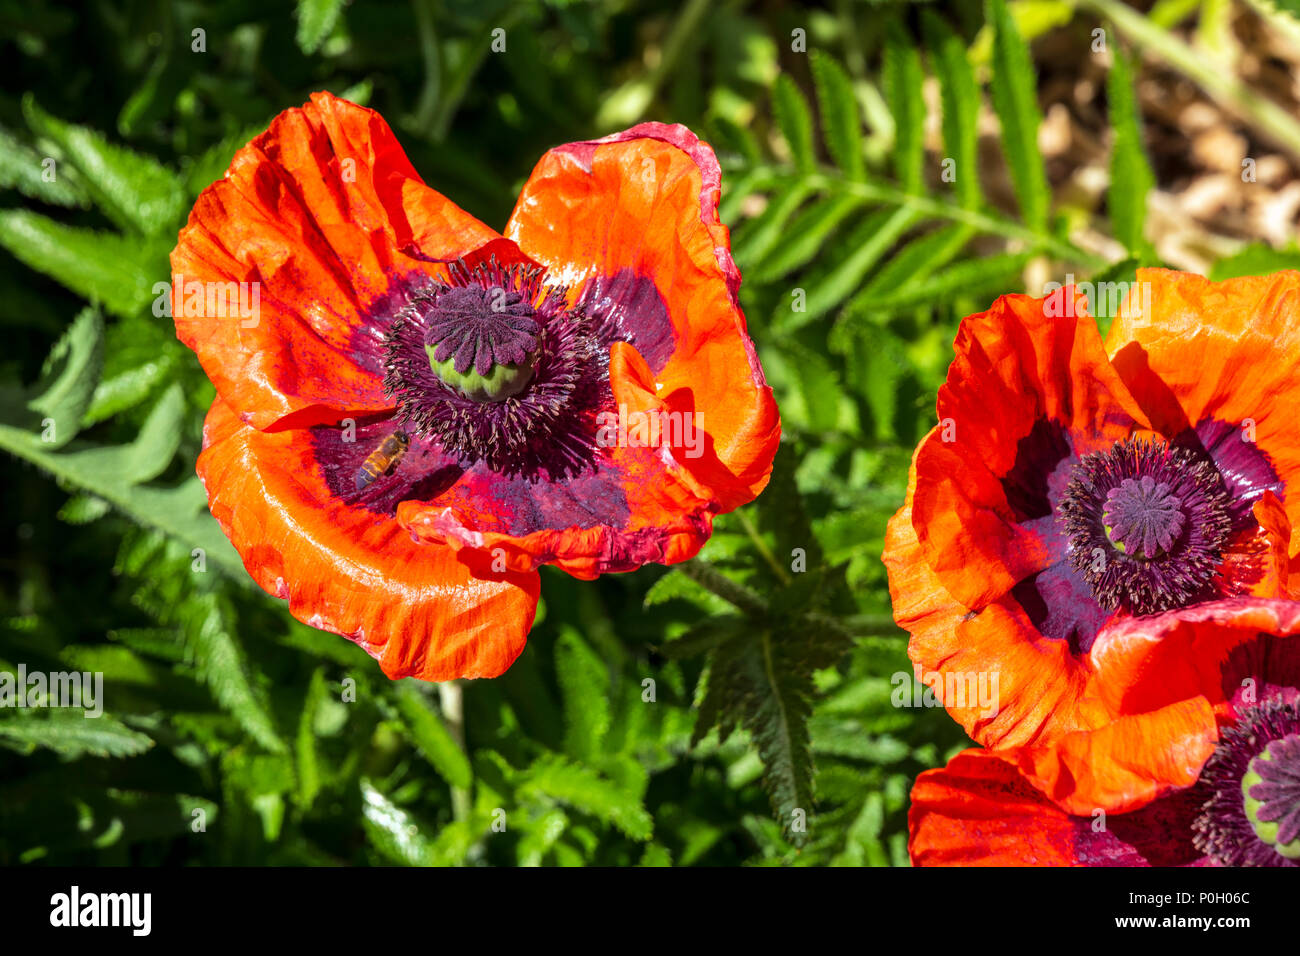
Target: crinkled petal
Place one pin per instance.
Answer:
(630, 222)
(1183, 654)
(980, 811)
(422, 610)
(1125, 764)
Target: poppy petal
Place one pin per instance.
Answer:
(1041, 684)
(1126, 764)
(1256, 561)
(630, 222)
(1187, 648)
(421, 610)
(324, 217)
(980, 811)
(922, 606)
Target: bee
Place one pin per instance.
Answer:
(383, 459)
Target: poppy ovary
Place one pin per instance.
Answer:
(1142, 517)
(482, 341)
(1270, 790)
(1146, 524)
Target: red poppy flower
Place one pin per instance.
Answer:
(1071, 487)
(1241, 659)
(419, 411)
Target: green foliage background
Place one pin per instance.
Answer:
(772, 686)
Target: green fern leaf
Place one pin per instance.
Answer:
(72, 734)
(805, 236)
(841, 125)
(902, 81)
(1016, 103)
(795, 121)
(134, 192)
(960, 101)
(1131, 178)
(585, 790)
(209, 632)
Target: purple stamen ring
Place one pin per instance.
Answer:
(1146, 524)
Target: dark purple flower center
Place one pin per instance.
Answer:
(1251, 814)
(494, 366)
(1146, 524)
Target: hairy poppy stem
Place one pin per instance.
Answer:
(714, 580)
(762, 547)
(451, 701)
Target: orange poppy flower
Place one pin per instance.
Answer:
(414, 411)
(1072, 486)
(1240, 659)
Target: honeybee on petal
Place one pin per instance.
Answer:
(383, 459)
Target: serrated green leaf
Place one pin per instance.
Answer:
(676, 586)
(132, 190)
(428, 732)
(760, 235)
(316, 20)
(970, 277)
(795, 121)
(540, 835)
(159, 437)
(224, 667)
(918, 259)
(102, 267)
(804, 237)
(396, 834)
(902, 78)
(868, 243)
(750, 685)
(73, 734)
(36, 176)
(814, 401)
(583, 789)
(1015, 101)
(70, 375)
(1131, 178)
(163, 643)
(116, 393)
(960, 101)
(881, 361)
(585, 691)
(841, 125)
